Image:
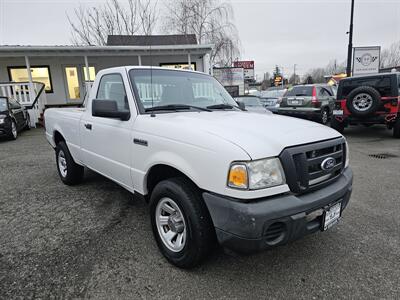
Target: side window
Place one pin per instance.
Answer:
(327, 92)
(321, 92)
(112, 88)
(14, 104)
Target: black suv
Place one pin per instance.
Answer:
(368, 100)
(311, 101)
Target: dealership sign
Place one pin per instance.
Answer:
(230, 77)
(366, 60)
(248, 67)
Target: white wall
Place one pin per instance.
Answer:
(57, 65)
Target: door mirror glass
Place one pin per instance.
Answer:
(109, 109)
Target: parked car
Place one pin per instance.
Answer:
(368, 100)
(252, 103)
(311, 101)
(272, 98)
(13, 118)
(210, 171)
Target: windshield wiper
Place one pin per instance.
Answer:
(176, 107)
(220, 106)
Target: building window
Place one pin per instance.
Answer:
(184, 66)
(92, 73)
(39, 74)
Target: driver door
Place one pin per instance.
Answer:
(107, 142)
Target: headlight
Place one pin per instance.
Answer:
(258, 174)
(2, 120)
(346, 164)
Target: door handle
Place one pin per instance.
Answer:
(88, 126)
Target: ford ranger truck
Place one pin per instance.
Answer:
(211, 171)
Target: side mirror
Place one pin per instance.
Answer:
(241, 105)
(109, 109)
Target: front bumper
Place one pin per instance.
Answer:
(253, 226)
(5, 129)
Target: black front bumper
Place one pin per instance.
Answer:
(5, 129)
(253, 226)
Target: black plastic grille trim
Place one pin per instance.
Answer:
(302, 164)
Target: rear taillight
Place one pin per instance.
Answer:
(314, 98)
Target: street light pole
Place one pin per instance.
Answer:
(350, 48)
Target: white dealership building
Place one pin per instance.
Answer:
(66, 71)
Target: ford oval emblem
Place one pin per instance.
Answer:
(328, 163)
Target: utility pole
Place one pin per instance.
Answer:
(294, 74)
(350, 48)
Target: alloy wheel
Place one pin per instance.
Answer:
(171, 224)
(62, 164)
(362, 102)
(14, 130)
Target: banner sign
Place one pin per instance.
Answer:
(248, 66)
(366, 60)
(230, 77)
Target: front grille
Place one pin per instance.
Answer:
(303, 164)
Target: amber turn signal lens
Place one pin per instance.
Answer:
(238, 177)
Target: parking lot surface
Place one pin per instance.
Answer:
(94, 240)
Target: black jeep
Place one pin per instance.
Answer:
(368, 100)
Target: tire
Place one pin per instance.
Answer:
(338, 126)
(324, 116)
(363, 101)
(70, 172)
(187, 246)
(396, 129)
(13, 135)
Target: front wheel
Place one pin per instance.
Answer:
(14, 131)
(70, 172)
(181, 224)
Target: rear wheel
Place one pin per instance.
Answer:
(324, 117)
(181, 223)
(338, 126)
(396, 129)
(70, 172)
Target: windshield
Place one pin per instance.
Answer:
(250, 101)
(161, 88)
(300, 91)
(3, 104)
(272, 93)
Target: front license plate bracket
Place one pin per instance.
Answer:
(331, 215)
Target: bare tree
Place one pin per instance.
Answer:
(318, 74)
(390, 57)
(92, 25)
(210, 21)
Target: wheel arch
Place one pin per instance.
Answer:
(162, 171)
(58, 137)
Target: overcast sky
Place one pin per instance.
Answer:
(308, 33)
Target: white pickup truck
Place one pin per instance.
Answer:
(211, 171)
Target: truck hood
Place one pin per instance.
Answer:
(259, 135)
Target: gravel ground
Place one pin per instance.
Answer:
(94, 240)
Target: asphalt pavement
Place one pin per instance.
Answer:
(94, 240)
